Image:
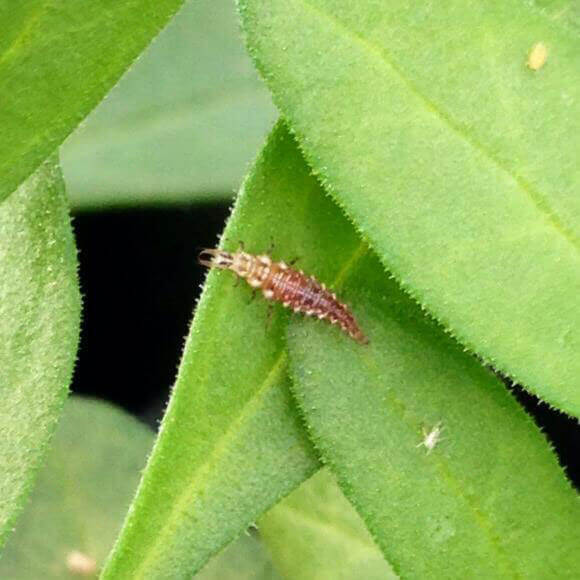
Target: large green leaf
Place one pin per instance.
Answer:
(457, 162)
(230, 444)
(39, 326)
(181, 125)
(315, 533)
(58, 59)
(82, 493)
(451, 476)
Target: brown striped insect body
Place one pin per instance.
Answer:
(282, 283)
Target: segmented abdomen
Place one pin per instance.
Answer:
(305, 294)
(292, 288)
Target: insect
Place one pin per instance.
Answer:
(282, 283)
(431, 438)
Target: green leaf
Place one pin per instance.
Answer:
(451, 476)
(181, 125)
(456, 161)
(82, 493)
(57, 61)
(315, 533)
(565, 12)
(226, 444)
(231, 444)
(244, 559)
(39, 327)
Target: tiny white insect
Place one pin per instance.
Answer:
(431, 438)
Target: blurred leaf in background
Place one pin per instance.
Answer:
(244, 559)
(180, 126)
(315, 533)
(82, 495)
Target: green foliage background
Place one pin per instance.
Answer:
(421, 170)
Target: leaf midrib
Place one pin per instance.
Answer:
(537, 198)
(442, 465)
(27, 26)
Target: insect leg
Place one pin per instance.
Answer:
(254, 292)
(269, 315)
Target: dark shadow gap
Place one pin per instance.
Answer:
(140, 281)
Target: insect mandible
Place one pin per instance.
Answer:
(282, 283)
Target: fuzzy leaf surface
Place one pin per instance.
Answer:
(181, 125)
(39, 329)
(231, 443)
(454, 159)
(58, 59)
(451, 476)
(315, 533)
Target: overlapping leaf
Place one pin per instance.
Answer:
(81, 495)
(457, 161)
(39, 326)
(435, 454)
(244, 559)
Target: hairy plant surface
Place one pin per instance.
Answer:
(455, 160)
(39, 328)
(426, 170)
(82, 493)
(366, 407)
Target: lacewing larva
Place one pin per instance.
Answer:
(431, 438)
(281, 283)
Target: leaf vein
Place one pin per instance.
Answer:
(204, 470)
(441, 464)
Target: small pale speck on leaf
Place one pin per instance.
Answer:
(80, 564)
(431, 438)
(537, 56)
